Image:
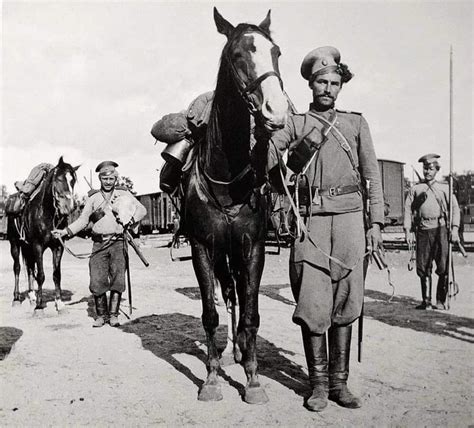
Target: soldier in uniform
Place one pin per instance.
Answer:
(334, 151)
(107, 263)
(426, 217)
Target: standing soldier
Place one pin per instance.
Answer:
(109, 217)
(332, 151)
(426, 217)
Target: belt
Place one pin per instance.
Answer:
(102, 237)
(431, 218)
(339, 190)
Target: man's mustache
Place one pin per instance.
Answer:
(326, 96)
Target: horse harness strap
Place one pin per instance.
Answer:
(252, 86)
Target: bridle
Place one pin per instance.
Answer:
(244, 88)
(56, 197)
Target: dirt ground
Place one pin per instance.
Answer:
(56, 370)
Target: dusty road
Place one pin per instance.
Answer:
(56, 370)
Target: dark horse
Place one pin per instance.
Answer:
(30, 233)
(225, 205)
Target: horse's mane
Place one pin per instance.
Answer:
(226, 94)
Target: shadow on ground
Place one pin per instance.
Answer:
(48, 295)
(401, 312)
(170, 334)
(8, 337)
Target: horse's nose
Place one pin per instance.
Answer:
(275, 110)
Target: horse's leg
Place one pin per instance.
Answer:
(28, 257)
(231, 354)
(251, 255)
(57, 255)
(15, 252)
(38, 261)
(203, 267)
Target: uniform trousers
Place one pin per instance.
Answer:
(432, 244)
(325, 292)
(107, 268)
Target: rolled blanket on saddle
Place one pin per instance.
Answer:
(174, 127)
(181, 131)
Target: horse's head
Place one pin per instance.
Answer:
(62, 184)
(253, 60)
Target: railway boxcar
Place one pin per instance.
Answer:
(160, 212)
(393, 185)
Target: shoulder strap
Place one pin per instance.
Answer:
(440, 202)
(341, 139)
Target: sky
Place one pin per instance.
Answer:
(87, 80)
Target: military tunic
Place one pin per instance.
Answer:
(107, 264)
(426, 206)
(326, 292)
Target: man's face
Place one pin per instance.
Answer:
(325, 89)
(107, 182)
(429, 171)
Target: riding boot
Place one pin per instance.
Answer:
(441, 292)
(315, 350)
(339, 339)
(425, 292)
(101, 310)
(114, 307)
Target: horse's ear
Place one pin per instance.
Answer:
(61, 161)
(223, 26)
(77, 167)
(265, 24)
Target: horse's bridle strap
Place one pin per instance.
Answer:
(254, 85)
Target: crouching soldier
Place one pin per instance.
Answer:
(109, 217)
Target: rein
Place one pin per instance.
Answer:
(106, 245)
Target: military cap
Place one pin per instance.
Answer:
(106, 168)
(322, 60)
(429, 158)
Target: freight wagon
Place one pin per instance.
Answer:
(161, 209)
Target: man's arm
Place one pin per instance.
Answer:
(408, 218)
(78, 225)
(369, 169)
(278, 145)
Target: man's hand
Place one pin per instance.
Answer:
(374, 238)
(409, 237)
(455, 235)
(59, 233)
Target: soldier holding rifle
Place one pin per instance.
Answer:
(427, 220)
(108, 262)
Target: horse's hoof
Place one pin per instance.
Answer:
(255, 395)
(227, 359)
(32, 298)
(16, 303)
(59, 305)
(38, 312)
(210, 393)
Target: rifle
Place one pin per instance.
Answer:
(450, 266)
